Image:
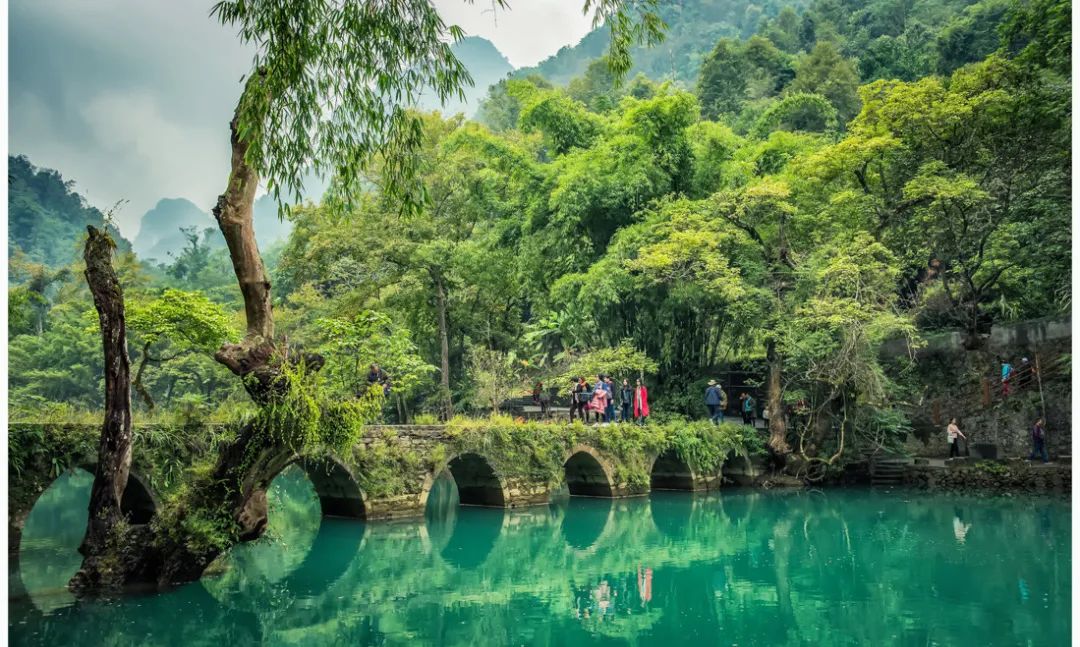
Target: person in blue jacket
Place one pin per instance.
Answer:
(714, 400)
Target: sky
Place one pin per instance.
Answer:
(131, 99)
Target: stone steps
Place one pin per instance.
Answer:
(888, 471)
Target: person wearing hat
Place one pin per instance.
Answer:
(714, 400)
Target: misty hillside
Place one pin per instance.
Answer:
(47, 218)
(485, 63)
(162, 230)
(694, 26)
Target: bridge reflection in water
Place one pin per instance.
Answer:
(755, 568)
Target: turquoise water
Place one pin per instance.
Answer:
(843, 567)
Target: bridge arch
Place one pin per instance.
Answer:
(139, 502)
(587, 473)
(477, 482)
(670, 472)
(335, 484)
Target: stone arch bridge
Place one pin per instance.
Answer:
(389, 473)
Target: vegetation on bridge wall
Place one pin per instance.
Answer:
(536, 451)
(39, 453)
(386, 465)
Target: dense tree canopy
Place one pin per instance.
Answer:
(834, 177)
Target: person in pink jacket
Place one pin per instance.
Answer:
(641, 403)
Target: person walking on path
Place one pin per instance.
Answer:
(641, 403)
(1006, 377)
(378, 376)
(714, 399)
(1038, 440)
(954, 435)
(748, 409)
(626, 400)
(1024, 373)
(540, 397)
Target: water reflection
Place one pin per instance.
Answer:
(582, 522)
(49, 553)
(754, 568)
(462, 536)
(471, 533)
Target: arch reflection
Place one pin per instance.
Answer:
(584, 521)
(468, 536)
(671, 513)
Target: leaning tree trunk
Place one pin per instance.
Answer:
(105, 526)
(231, 498)
(236, 487)
(777, 422)
(233, 211)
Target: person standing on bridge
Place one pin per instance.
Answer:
(954, 435)
(579, 398)
(600, 400)
(714, 399)
(641, 402)
(626, 400)
(1038, 440)
(609, 413)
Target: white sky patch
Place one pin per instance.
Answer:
(176, 160)
(528, 32)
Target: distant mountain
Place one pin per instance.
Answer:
(694, 26)
(486, 65)
(47, 219)
(160, 236)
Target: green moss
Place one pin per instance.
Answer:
(537, 450)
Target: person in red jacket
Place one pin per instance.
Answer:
(641, 403)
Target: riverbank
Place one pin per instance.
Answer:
(975, 475)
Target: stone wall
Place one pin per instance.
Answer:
(1016, 475)
(966, 384)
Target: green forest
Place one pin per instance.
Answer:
(771, 191)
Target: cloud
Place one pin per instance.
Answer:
(527, 32)
(175, 159)
(129, 100)
(132, 99)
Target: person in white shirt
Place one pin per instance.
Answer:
(954, 432)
